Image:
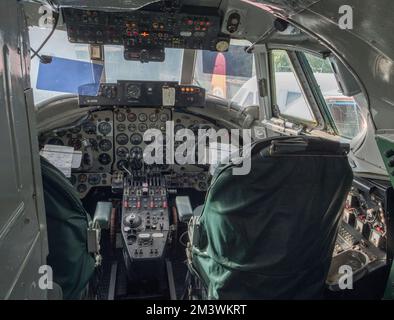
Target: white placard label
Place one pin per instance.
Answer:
(168, 97)
(62, 157)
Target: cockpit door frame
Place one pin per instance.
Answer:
(23, 235)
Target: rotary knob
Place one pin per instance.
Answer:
(133, 220)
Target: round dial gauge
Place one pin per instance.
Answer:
(120, 116)
(122, 139)
(153, 117)
(105, 145)
(131, 117)
(142, 127)
(82, 178)
(94, 179)
(89, 127)
(133, 91)
(164, 117)
(104, 128)
(135, 151)
(104, 159)
(136, 139)
(82, 188)
(142, 117)
(121, 127)
(132, 127)
(122, 152)
(122, 164)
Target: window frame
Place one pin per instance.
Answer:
(322, 101)
(308, 94)
(330, 124)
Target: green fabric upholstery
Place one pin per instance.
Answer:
(67, 224)
(270, 234)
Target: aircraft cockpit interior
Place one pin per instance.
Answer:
(193, 150)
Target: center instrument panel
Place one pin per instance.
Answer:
(362, 240)
(130, 126)
(112, 141)
(142, 93)
(145, 217)
(144, 34)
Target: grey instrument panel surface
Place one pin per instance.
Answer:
(102, 130)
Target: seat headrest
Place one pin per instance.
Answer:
(308, 146)
(301, 145)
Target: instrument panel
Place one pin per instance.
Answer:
(145, 34)
(130, 126)
(112, 141)
(362, 240)
(83, 182)
(94, 137)
(141, 94)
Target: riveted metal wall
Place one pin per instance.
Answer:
(23, 245)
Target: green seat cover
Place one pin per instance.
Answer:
(270, 234)
(67, 224)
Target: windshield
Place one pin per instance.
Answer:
(71, 66)
(230, 75)
(117, 68)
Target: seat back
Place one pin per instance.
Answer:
(270, 234)
(67, 223)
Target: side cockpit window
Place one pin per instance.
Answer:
(288, 95)
(69, 65)
(344, 110)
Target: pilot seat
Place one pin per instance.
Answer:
(73, 236)
(270, 234)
